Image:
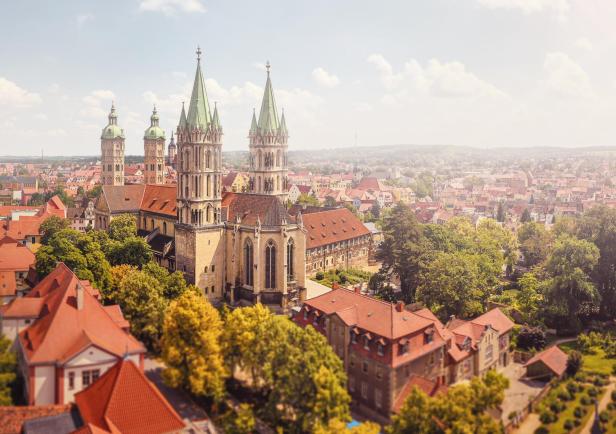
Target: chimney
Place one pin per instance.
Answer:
(335, 285)
(452, 317)
(79, 291)
(357, 289)
(400, 306)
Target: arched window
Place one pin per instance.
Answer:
(278, 158)
(270, 265)
(152, 222)
(260, 159)
(209, 213)
(208, 159)
(248, 262)
(290, 257)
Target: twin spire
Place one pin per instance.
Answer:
(269, 122)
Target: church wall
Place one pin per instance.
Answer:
(209, 261)
(148, 221)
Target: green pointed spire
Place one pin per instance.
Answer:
(112, 130)
(154, 132)
(215, 118)
(268, 117)
(253, 125)
(283, 125)
(199, 108)
(183, 117)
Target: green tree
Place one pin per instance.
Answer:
(535, 243)
(8, 369)
(122, 227)
(51, 226)
(453, 284)
(239, 421)
(191, 346)
(402, 250)
(569, 267)
(141, 298)
(463, 409)
(575, 362)
(307, 199)
(132, 250)
(173, 284)
(330, 202)
(529, 298)
(95, 192)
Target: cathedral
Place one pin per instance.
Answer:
(240, 247)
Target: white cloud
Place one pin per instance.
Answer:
(170, 7)
(528, 6)
(363, 107)
(324, 78)
(565, 77)
(40, 117)
(93, 103)
(259, 65)
(13, 95)
(584, 44)
(439, 79)
(83, 18)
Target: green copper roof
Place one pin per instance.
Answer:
(112, 130)
(154, 132)
(268, 117)
(215, 118)
(199, 108)
(183, 117)
(253, 125)
(283, 124)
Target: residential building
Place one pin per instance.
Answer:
(65, 338)
(547, 364)
(81, 218)
(15, 262)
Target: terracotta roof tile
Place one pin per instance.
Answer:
(12, 418)
(249, 207)
(553, 358)
(14, 256)
(63, 330)
(332, 226)
(160, 199)
(123, 400)
(429, 387)
(123, 198)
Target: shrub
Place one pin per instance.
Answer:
(577, 422)
(579, 412)
(531, 337)
(614, 369)
(557, 406)
(611, 406)
(565, 395)
(568, 425)
(581, 377)
(319, 275)
(542, 430)
(614, 395)
(593, 391)
(546, 417)
(573, 387)
(604, 416)
(585, 400)
(574, 363)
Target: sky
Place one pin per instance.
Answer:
(482, 73)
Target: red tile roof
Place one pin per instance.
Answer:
(14, 256)
(8, 284)
(429, 387)
(332, 226)
(553, 358)
(63, 330)
(250, 207)
(497, 319)
(124, 401)
(160, 199)
(12, 418)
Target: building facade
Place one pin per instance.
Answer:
(112, 151)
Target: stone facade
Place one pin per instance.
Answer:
(112, 151)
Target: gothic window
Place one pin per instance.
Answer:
(208, 189)
(260, 159)
(208, 159)
(270, 265)
(278, 159)
(290, 257)
(209, 213)
(248, 263)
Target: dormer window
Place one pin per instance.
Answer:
(380, 349)
(429, 334)
(354, 334)
(367, 338)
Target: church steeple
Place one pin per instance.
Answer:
(112, 151)
(268, 117)
(183, 117)
(199, 109)
(253, 124)
(154, 152)
(282, 130)
(215, 118)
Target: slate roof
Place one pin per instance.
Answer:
(331, 226)
(249, 207)
(124, 401)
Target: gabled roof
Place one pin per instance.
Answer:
(553, 358)
(250, 207)
(124, 401)
(160, 199)
(63, 330)
(12, 417)
(332, 226)
(14, 256)
(497, 319)
(429, 387)
(123, 198)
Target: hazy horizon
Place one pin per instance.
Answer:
(480, 73)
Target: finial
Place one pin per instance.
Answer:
(198, 53)
(112, 104)
(215, 104)
(268, 66)
(154, 110)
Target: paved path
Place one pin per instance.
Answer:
(591, 427)
(530, 424)
(181, 402)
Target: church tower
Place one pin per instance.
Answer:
(112, 151)
(199, 230)
(172, 151)
(268, 147)
(154, 152)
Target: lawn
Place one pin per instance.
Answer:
(349, 277)
(596, 362)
